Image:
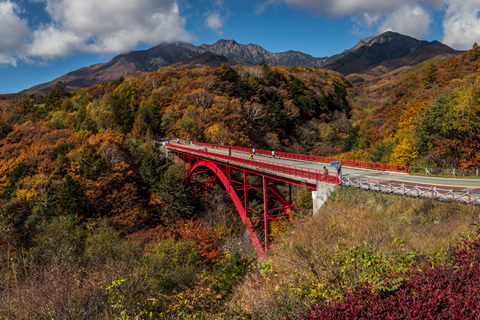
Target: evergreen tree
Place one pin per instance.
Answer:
(91, 163)
(72, 197)
(430, 76)
(55, 96)
(172, 190)
(152, 168)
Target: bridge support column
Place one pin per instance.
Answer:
(320, 195)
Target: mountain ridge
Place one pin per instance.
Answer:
(390, 50)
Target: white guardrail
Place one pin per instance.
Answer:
(414, 191)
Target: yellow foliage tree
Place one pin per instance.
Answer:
(6, 167)
(217, 133)
(406, 150)
(357, 155)
(33, 188)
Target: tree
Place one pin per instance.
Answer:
(5, 129)
(152, 115)
(201, 235)
(352, 140)
(124, 104)
(118, 196)
(91, 162)
(43, 211)
(172, 190)
(33, 188)
(201, 98)
(72, 197)
(55, 96)
(275, 107)
(140, 128)
(218, 133)
(431, 124)
(406, 151)
(152, 168)
(60, 241)
(429, 76)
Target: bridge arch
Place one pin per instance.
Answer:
(200, 164)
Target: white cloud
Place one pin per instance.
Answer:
(355, 7)
(106, 16)
(461, 20)
(370, 20)
(345, 7)
(409, 20)
(89, 26)
(13, 31)
(113, 26)
(261, 7)
(216, 16)
(213, 21)
(461, 26)
(51, 42)
(7, 59)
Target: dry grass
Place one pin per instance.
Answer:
(310, 262)
(376, 221)
(57, 292)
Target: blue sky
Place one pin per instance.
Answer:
(41, 40)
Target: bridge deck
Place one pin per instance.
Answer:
(290, 173)
(460, 185)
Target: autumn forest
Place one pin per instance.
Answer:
(95, 222)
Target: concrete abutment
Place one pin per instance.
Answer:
(321, 195)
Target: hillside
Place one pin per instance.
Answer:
(418, 115)
(101, 135)
(390, 50)
(90, 207)
(92, 214)
(388, 118)
(123, 65)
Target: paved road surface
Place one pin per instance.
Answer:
(472, 185)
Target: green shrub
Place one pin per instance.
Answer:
(103, 244)
(60, 241)
(170, 265)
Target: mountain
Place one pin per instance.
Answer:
(123, 65)
(177, 54)
(206, 59)
(389, 51)
(254, 54)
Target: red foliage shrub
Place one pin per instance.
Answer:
(151, 235)
(441, 292)
(198, 233)
(184, 229)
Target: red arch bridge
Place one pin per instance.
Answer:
(244, 178)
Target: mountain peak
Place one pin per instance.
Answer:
(226, 42)
(387, 36)
(390, 50)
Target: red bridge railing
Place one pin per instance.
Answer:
(306, 157)
(292, 170)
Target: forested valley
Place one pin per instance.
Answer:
(95, 223)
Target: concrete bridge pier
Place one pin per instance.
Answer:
(321, 195)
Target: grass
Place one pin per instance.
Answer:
(357, 237)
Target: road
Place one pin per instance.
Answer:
(458, 185)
